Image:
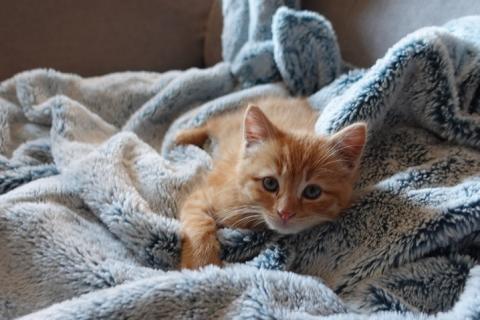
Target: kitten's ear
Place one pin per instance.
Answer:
(350, 141)
(256, 126)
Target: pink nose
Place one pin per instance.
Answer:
(285, 215)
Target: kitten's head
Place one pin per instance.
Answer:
(299, 180)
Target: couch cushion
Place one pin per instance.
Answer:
(367, 28)
(92, 37)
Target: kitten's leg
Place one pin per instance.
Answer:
(195, 136)
(200, 246)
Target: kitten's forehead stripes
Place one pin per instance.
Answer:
(283, 170)
(303, 183)
(307, 159)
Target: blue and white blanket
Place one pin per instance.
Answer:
(91, 180)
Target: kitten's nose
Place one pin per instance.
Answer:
(285, 215)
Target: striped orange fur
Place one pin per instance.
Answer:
(270, 171)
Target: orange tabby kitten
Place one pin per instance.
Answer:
(270, 171)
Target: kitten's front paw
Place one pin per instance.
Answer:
(199, 255)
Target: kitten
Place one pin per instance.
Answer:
(270, 171)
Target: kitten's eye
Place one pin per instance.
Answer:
(312, 192)
(270, 184)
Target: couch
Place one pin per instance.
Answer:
(97, 37)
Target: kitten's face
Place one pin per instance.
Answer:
(298, 180)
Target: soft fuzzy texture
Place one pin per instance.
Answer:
(92, 180)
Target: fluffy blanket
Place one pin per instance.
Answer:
(91, 180)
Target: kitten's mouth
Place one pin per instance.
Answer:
(284, 227)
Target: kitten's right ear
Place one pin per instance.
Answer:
(350, 142)
(256, 126)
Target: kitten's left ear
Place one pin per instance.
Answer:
(350, 142)
(256, 126)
